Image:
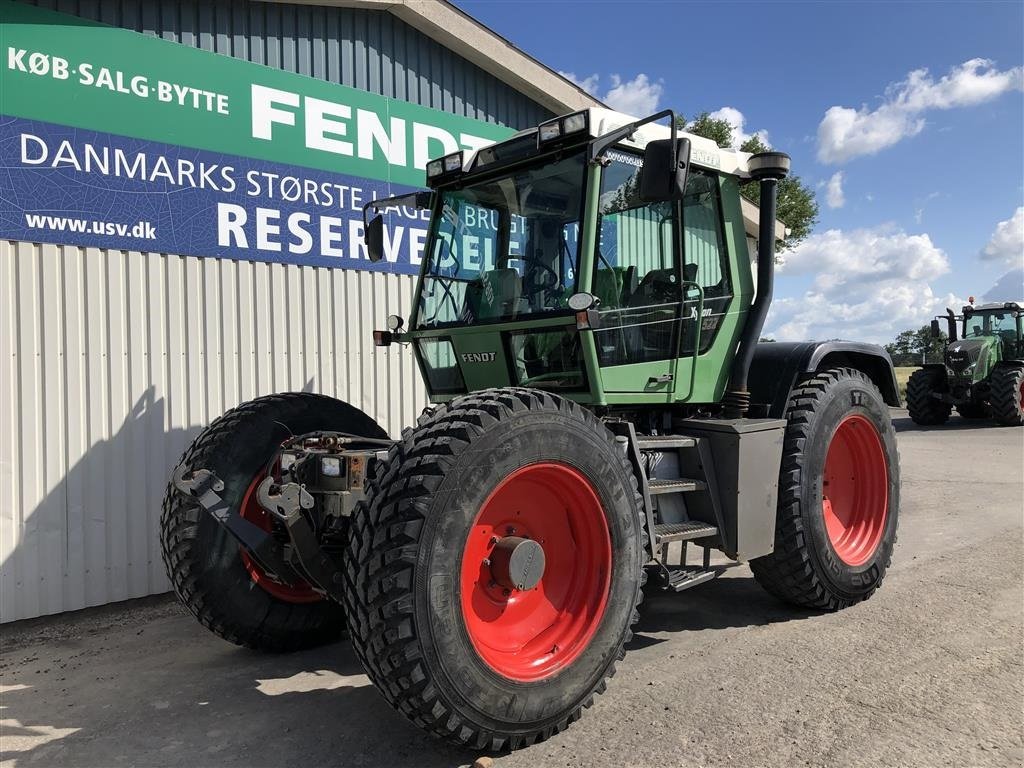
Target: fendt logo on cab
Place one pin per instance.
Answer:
(478, 357)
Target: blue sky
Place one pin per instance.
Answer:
(929, 206)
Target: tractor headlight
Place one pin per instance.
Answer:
(574, 123)
(453, 163)
(549, 131)
(444, 167)
(562, 127)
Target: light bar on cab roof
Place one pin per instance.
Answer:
(444, 167)
(563, 127)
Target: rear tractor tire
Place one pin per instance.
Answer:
(1007, 395)
(839, 487)
(925, 409)
(494, 571)
(212, 576)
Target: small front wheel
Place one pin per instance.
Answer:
(839, 488)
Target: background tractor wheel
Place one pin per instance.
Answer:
(925, 409)
(1007, 396)
(216, 581)
(973, 411)
(495, 569)
(839, 490)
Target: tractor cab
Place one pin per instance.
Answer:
(596, 256)
(980, 337)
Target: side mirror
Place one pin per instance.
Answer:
(663, 175)
(936, 331)
(374, 238)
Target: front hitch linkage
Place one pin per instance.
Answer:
(285, 503)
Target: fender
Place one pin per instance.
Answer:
(778, 365)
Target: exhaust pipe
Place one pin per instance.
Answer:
(951, 322)
(768, 168)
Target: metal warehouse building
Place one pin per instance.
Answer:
(181, 184)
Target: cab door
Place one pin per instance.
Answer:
(637, 278)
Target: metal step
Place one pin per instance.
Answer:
(666, 532)
(684, 578)
(677, 485)
(664, 442)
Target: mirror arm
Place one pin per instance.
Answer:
(420, 199)
(601, 143)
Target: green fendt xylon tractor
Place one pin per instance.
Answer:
(603, 418)
(982, 372)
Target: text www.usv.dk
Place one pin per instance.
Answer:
(143, 230)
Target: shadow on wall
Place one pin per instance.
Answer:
(93, 537)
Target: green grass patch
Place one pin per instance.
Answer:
(902, 375)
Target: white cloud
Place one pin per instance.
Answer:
(845, 133)
(638, 97)
(869, 285)
(1006, 246)
(1009, 287)
(588, 84)
(737, 121)
(834, 196)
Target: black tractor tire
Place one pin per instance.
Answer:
(925, 409)
(1007, 395)
(409, 550)
(973, 411)
(204, 563)
(806, 568)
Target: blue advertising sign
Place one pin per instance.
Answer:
(81, 187)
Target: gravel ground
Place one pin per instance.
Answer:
(929, 672)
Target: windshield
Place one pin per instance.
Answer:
(505, 248)
(1002, 324)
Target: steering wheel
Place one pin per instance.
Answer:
(659, 286)
(550, 280)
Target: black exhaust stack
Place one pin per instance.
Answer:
(951, 322)
(768, 168)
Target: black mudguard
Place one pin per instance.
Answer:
(778, 365)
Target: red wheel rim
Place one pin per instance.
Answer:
(855, 490)
(301, 592)
(527, 635)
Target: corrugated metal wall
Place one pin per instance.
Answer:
(112, 361)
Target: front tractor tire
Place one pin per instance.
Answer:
(1007, 395)
(218, 583)
(925, 409)
(839, 487)
(494, 572)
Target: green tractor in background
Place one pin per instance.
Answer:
(586, 322)
(983, 371)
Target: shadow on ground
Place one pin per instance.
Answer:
(731, 601)
(144, 684)
(168, 693)
(955, 423)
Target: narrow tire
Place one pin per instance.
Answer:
(206, 566)
(406, 591)
(1007, 395)
(925, 409)
(840, 431)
